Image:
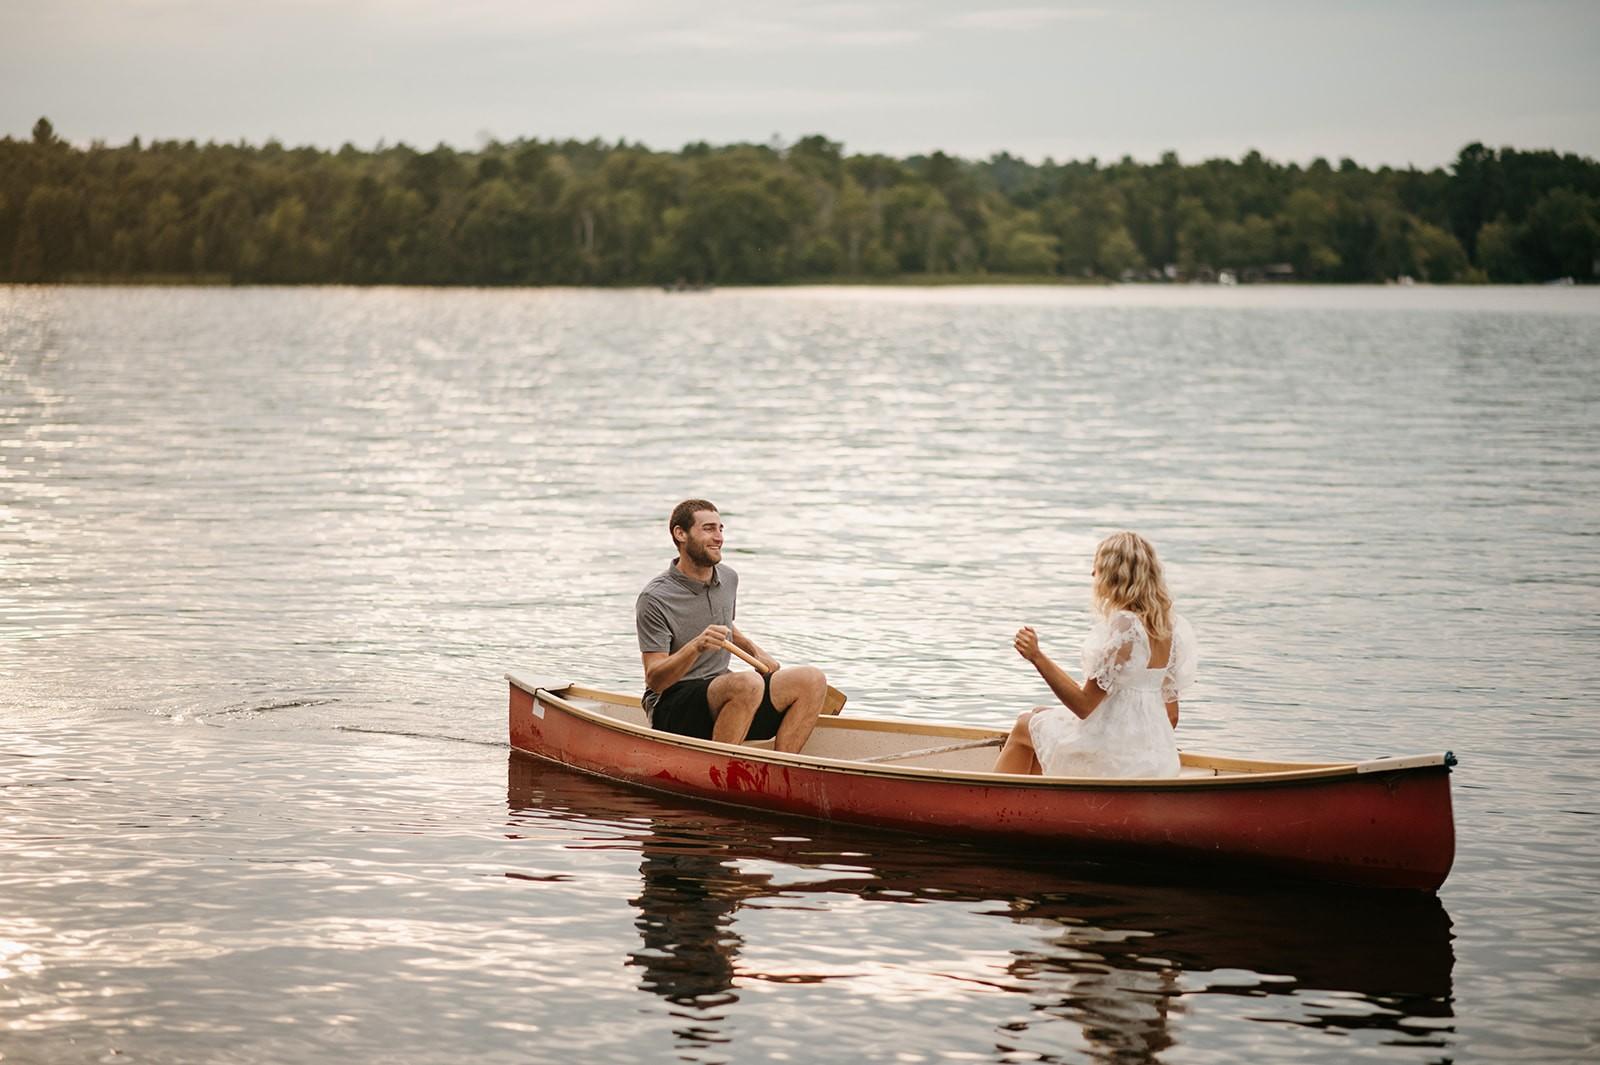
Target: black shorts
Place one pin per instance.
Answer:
(684, 709)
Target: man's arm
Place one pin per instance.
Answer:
(748, 646)
(662, 670)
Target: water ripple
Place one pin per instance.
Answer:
(265, 554)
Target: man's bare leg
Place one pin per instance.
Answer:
(733, 698)
(797, 693)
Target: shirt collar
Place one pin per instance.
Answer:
(690, 582)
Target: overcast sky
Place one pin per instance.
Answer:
(1384, 82)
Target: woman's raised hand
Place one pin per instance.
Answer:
(1027, 643)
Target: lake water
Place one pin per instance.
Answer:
(265, 555)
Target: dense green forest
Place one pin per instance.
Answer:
(593, 213)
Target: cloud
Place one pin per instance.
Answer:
(742, 100)
(721, 35)
(1024, 18)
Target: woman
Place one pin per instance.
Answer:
(1138, 659)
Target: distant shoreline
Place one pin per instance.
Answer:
(595, 214)
(898, 281)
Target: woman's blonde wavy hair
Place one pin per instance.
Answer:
(1128, 576)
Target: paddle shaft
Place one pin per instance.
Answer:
(752, 660)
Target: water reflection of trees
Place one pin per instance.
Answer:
(1117, 950)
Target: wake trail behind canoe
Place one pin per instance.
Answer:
(422, 736)
(259, 708)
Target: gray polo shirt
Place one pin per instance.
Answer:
(674, 609)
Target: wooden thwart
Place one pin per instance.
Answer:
(923, 752)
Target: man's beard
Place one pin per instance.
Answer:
(700, 556)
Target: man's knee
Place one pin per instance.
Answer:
(748, 688)
(814, 679)
(792, 684)
(741, 690)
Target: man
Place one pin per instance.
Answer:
(683, 616)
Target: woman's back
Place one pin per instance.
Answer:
(1138, 658)
(1128, 734)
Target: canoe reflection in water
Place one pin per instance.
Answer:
(1112, 949)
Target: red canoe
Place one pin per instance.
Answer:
(1383, 823)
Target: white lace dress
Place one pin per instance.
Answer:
(1128, 734)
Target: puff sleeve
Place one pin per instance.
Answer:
(1110, 648)
(1184, 660)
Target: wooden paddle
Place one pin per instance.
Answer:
(832, 702)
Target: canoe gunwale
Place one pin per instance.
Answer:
(1307, 772)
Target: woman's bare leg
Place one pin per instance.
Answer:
(1017, 755)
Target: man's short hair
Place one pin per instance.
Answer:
(683, 515)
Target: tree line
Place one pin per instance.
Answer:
(592, 213)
